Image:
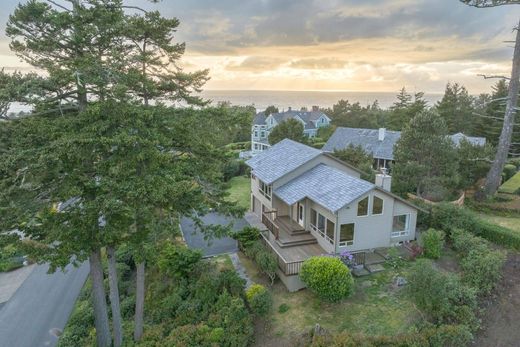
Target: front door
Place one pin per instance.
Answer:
(300, 211)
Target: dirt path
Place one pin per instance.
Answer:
(501, 320)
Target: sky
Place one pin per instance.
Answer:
(349, 45)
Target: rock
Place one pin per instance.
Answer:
(400, 281)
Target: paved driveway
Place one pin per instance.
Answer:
(195, 239)
(40, 306)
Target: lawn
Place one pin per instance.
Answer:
(509, 222)
(511, 185)
(376, 308)
(240, 190)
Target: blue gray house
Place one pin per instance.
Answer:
(262, 125)
(380, 142)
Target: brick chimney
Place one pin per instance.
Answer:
(382, 133)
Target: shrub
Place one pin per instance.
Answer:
(283, 308)
(177, 260)
(260, 300)
(328, 277)
(448, 217)
(482, 269)
(509, 171)
(442, 296)
(246, 237)
(253, 249)
(267, 263)
(463, 242)
(232, 282)
(433, 242)
(395, 260)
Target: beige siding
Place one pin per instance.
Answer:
(321, 159)
(256, 193)
(374, 231)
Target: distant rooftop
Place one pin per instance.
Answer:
(328, 186)
(369, 140)
(280, 159)
(308, 117)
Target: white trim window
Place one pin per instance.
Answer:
(346, 234)
(401, 225)
(265, 189)
(323, 226)
(362, 208)
(377, 206)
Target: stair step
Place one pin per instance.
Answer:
(293, 243)
(373, 268)
(360, 272)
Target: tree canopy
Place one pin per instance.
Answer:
(288, 129)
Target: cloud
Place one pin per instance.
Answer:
(318, 63)
(257, 63)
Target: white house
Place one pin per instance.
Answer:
(314, 204)
(262, 125)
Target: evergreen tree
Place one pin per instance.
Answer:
(404, 109)
(456, 108)
(425, 158)
(289, 129)
(270, 110)
(357, 157)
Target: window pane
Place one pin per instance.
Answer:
(330, 229)
(377, 207)
(313, 217)
(362, 209)
(400, 223)
(321, 222)
(346, 232)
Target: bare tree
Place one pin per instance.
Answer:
(504, 143)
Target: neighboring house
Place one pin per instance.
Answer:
(380, 142)
(262, 125)
(314, 204)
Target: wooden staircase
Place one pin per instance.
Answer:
(292, 234)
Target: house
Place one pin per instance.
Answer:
(380, 142)
(314, 204)
(262, 125)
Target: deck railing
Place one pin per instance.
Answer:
(270, 224)
(289, 268)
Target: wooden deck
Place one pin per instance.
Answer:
(296, 253)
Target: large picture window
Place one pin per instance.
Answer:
(362, 209)
(377, 205)
(323, 226)
(346, 234)
(401, 225)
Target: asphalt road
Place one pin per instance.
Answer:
(40, 306)
(195, 239)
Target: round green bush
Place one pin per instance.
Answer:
(328, 277)
(509, 171)
(433, 242)
(260, 300)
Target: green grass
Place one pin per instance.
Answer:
(375, 308)
(511, 185)
(240, 190)
(509, 222)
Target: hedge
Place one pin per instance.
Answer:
(512, 185)
(328, 277)
(448, 217)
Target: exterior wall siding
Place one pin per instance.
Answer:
(259, 196)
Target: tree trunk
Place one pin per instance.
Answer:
(99, 300)
(495, 173)
(139, 301)
(114, 297)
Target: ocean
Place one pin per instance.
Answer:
(298, 99)
(260, 99)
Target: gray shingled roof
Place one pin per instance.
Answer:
(259, 119)
(325, 185)
(280, 159)
(368, 139)
(475, 141)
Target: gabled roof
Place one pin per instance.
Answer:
(368, 139)
(475, 141)
(325, 185)
(280, 159)
(308, 117)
